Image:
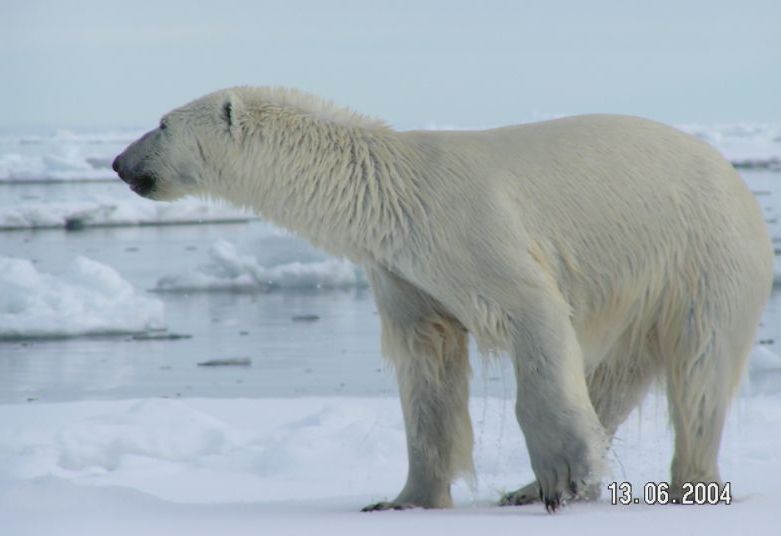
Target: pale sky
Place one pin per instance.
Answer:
(105, 63)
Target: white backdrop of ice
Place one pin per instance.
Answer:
(89, 298)
(228, 269)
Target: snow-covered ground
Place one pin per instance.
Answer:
(307, 466)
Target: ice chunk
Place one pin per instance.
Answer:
(230, 270)
(90, 298)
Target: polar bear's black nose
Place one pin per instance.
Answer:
(115, 164)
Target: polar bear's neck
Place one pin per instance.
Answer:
(348, 187)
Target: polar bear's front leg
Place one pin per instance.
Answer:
(428, 348)
(565, 439)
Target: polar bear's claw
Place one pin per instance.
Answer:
(531, 493)
(554, 503)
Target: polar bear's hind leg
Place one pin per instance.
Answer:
(701, 379)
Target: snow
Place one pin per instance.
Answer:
(307, 465)
(228, 269)
(89, 298)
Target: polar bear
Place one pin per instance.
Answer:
(599, 252)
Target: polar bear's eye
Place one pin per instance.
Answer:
(163, 125)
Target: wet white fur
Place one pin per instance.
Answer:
(600, 252)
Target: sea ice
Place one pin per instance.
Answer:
(89, 298)
(228, 269)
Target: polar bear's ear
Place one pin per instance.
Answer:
(229, 113)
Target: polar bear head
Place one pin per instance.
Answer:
(230, 143)
(187, 151)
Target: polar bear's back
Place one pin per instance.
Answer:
(622, 171)
(601, 175)
(621, 210)
(601, 151)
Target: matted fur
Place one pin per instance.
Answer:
(600, 252)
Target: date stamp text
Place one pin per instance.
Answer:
(621, 493)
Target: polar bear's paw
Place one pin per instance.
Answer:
(530, 494)
(388, 505)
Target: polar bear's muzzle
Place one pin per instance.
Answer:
(132, 166)
(141, 183)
